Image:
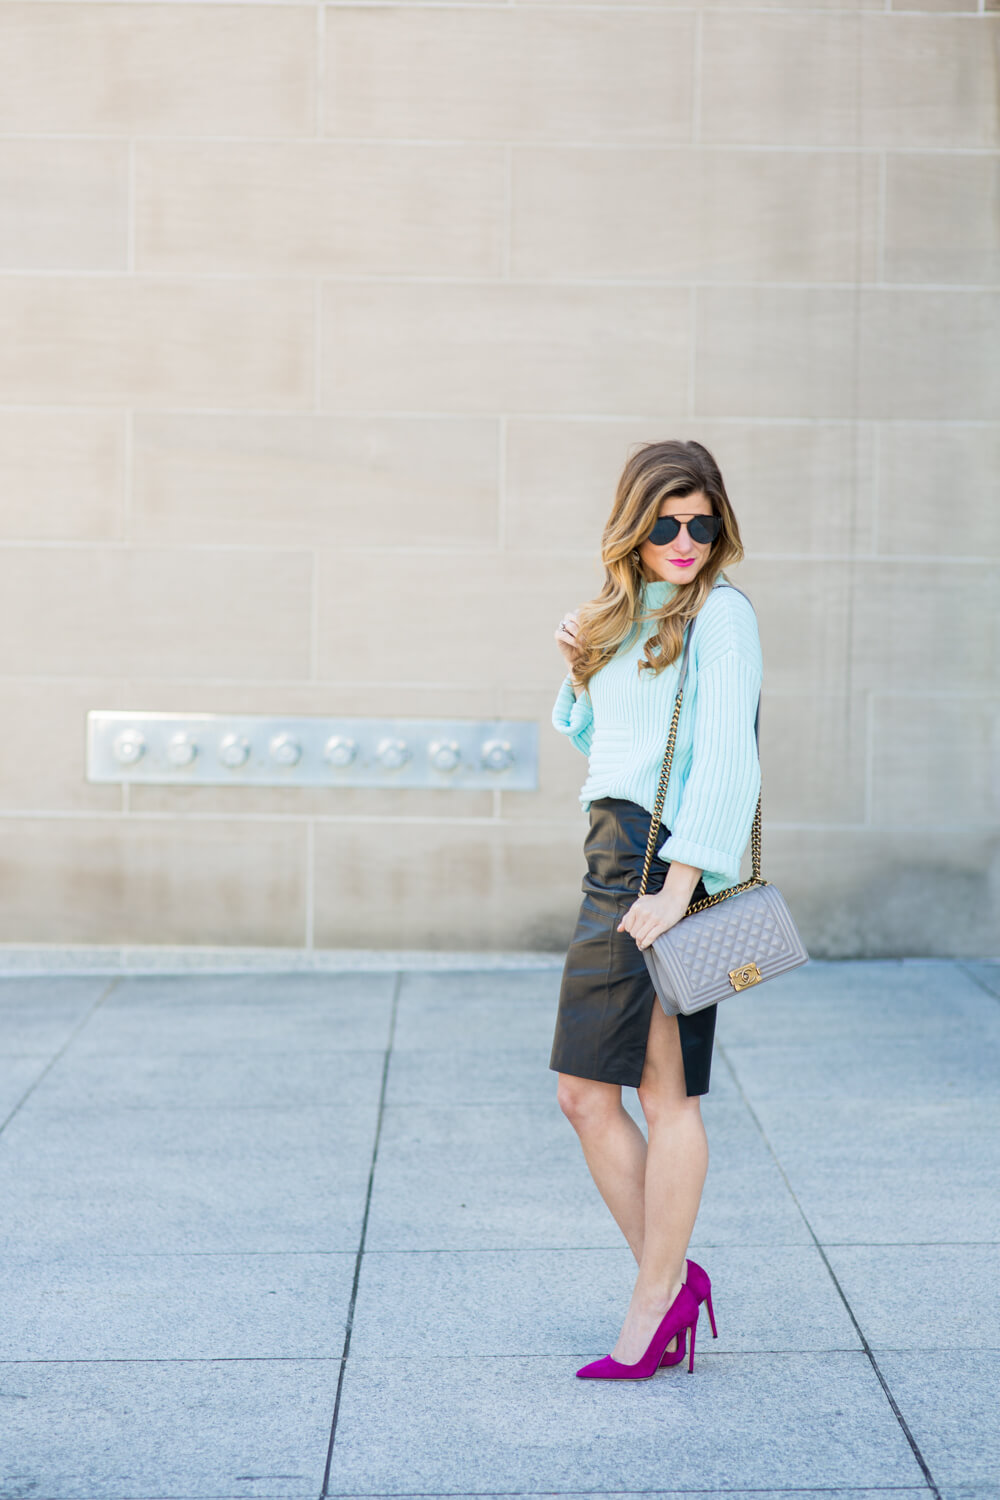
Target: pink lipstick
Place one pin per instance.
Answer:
(681, 562)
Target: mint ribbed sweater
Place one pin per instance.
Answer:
(621, 724)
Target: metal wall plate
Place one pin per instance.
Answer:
(259, 750)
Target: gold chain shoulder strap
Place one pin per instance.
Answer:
(661, 792)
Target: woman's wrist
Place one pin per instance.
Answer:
(679, 886)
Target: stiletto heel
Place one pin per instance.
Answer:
(694, 1325)
(682, 1314)
(701, 1286)
(711, 1315)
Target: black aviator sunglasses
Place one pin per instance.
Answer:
(701, 529)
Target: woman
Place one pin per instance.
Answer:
(670, 533)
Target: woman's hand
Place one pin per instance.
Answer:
(656, 913)
(567, 638)
(652, 915)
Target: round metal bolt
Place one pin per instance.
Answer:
(129, 747)
(497, 755)
(285, 749)
(339, 750)
(391, 753)
(234, 750)
(444, 755)
(181, 749)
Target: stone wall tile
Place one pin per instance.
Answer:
(448, 886)
(152, 880)
(938, 489)
(929, 354)
(694, 214)
(928, 81)
(319, 208)
(65, 205)
(783, 80)
(312, 479)
(501, 347)
(920, 625)
(459, 618)
(204, 612)
(776, 352)
(936, 759)
(146, 341)
(145, 68)
(941, 217)
(504, 73)
(62, 475)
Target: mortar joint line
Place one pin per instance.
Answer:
(890, 1398)
(60, 1052)
(349, 1324)
(977, 981)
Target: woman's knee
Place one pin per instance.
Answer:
(662, 1104)
(584, 1099)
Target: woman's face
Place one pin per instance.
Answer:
(679, 560)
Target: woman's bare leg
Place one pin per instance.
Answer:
(676, 1165)
(614, 1149)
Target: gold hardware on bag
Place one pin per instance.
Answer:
(744, 977)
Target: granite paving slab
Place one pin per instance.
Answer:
(890, 1171)
(501, 1075)
(820, 1493)
(141, 1430)
(949, 1400)
(823, 1493)
(547, 1302)
(486, 1425)
(38, 1016)
(495, 1177)
(283, 1012)
(84, 1181)
(986, 972)
(195, 1306)
(233, 1079)
(17, 1074)
(964, 1061)
(922, 1296)
(476, 1011)
(879, 998)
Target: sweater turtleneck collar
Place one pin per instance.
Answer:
(656, 593)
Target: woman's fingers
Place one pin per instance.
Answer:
(644, 926)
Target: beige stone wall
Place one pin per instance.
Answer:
(324, 332)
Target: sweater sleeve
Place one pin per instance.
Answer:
(574, 716)
(712, 824)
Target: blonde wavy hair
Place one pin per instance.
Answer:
(652, 474)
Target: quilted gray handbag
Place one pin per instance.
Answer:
(727, 942)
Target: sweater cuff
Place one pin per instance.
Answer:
(717, 865)
(571, 714)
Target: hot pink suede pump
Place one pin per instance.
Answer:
(681, 1315)
(701, 1286)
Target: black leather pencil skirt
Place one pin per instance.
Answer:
(606, 997)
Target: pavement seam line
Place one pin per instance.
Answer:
(61, 1051)
(349, 1325)
(970, 974)
(894, 1406)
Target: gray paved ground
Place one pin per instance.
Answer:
(241, 1214)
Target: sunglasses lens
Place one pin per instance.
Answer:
(704, 528)
(664, 531)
